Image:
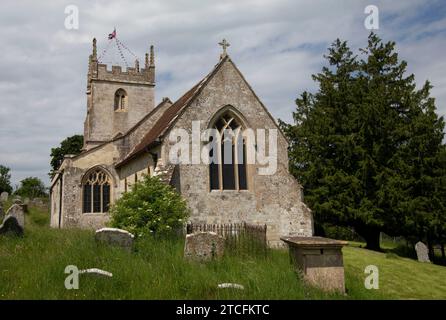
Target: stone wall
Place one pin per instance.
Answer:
(73, 170)
(104, 121)
(272, 199)
(55, 202)
(135, 171)
(135, 135)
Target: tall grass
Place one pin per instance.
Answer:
(33, 267)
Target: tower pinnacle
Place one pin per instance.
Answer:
(95, 51)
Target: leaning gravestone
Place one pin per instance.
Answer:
(11, 227)
(4, 196)
(17, 211)
(422, 252)
(203, 246)
(117, 237)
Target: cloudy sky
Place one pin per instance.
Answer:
(276, 44)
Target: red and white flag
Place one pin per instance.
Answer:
(112, 35)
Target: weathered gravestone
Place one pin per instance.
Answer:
(4, 196)
(116, 237)
(422, 252)
(202, 246)
(10, 226)
(17, 211)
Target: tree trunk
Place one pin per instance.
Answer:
(371, 236)
(443, 256)
(430, 247)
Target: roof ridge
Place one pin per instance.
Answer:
(147, 116)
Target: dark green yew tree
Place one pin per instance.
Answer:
(366, 146)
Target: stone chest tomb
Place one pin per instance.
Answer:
(319, 260)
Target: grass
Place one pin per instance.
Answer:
(33, 268)
(400, 277)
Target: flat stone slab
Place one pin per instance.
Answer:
(115, 237)
(314, 242)
(204, 246)
(11, 227)
(319, 260)
(231, 286)
(97, 271)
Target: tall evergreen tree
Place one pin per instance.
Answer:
(352, 144)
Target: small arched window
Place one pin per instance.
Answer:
(230, 171)
(120, 100)
(96, 192)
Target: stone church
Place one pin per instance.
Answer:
(126, 136)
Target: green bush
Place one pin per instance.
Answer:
(151, 207)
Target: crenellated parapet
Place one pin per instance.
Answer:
(131, 74)
(100, 71)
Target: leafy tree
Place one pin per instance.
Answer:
(31, 187)
(367, 143)
(5, 179)
(71, 145)
(150, 207)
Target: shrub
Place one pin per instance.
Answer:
(151, 207)
(32, 187)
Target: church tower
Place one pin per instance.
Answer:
(116, 99)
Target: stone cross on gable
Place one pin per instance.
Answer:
(224, 44)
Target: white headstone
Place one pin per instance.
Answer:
(422, 252)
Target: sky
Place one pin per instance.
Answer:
(277, 45)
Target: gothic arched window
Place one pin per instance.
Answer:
(96, 188)
(230, 171)
(120, 100)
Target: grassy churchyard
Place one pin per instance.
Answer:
(33, 267)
